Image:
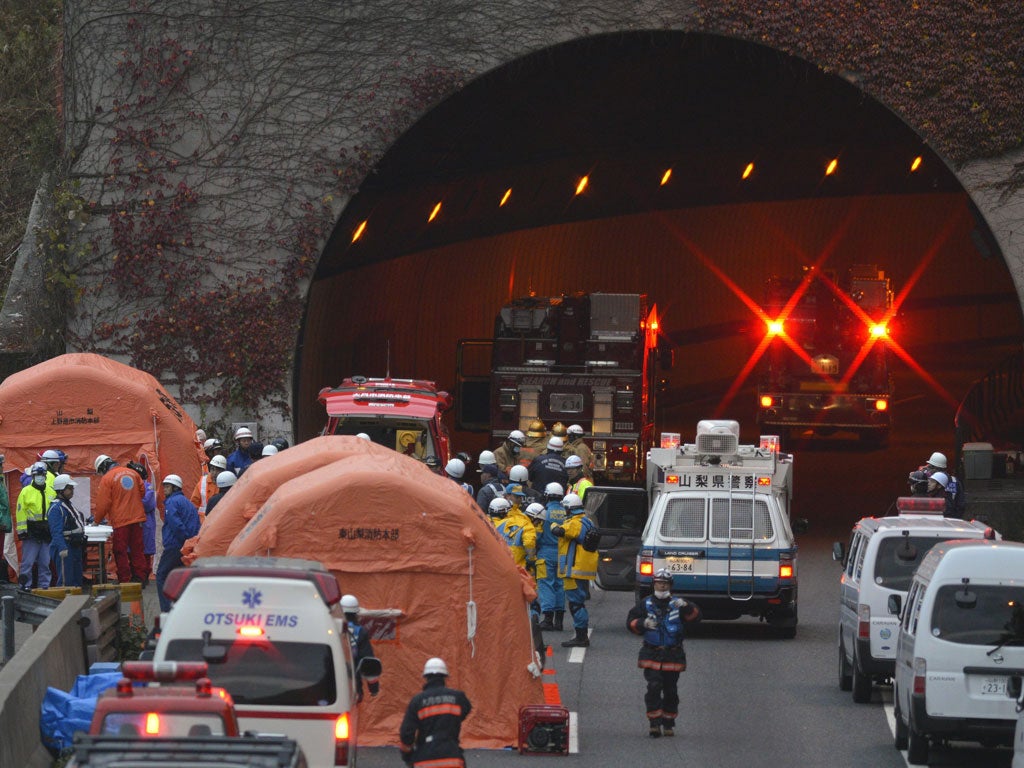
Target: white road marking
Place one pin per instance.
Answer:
(574, 736)
(576, 655)
(890, 717)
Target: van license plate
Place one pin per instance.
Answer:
(679, 564)
(993, 686)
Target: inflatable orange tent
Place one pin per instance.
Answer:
(414, 546)
(85, 405)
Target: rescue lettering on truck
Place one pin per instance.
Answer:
(826, 365)
(401, 414)
(586, 359)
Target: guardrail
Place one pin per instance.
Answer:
(993, 407)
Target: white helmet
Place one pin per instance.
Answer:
(219, 462)
(349, 604)
(455, 468)
(555, 443)
(211, 442)
(269, 450)
(519, 474)
(499, 506)
(575, 429)
(573, 461)
(242, 432)
(101, 460)
(50, 455)
(362, 436)
(572, 502)
(201, 436)
(554, 491)
(435, 666)
(941, 478)
(535, 510)
(516, 436)
(226, 479)
(486, 457)
(938, 460)
(60, 482)
(174, 480)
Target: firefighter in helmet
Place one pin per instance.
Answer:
(507, 454)
(429, 734)
(659, 618)
(578, 482)
(536, 442)
(574, 446)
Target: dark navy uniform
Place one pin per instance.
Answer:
(430, 729)
(662, 656)
(548, 468)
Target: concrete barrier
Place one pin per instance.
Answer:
(53, 656)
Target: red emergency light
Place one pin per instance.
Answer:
(164, 671)
(250, 631)
(671, 479)
(881, 405)
(921, 505)
(764, 481)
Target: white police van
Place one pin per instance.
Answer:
(880, 561)
(720, 524)
(961, 639)
(273, 636)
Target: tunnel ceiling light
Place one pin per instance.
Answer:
(433, 213)
(831, 167)
(505, 197)
(748, 170)
(359, 230)
(916, 163)
(581, 185)
(666, 176)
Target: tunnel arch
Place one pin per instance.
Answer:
(621, 109)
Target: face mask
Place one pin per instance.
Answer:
(39, 480)
(515, 449)
(661, 594)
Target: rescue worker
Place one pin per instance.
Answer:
(239, 459)
(498, 510)
(149, 507)
(33, 529)
(6, 530)
(491, 485)
(454, 470)
(549, 467)
(268, 450)
(918, 482)
(550, 590)
(207, 485)
(54, 461)
(225, 480)
(536, 442)
(937, 484)
(578, 482)
(211, 447)
(181, 522)
(519, 531)
(67, 531)
(429, 734)
(659, 618)
(521, 475)
(362, 648)
(956, 498)
(575, 446)
(119, 503)
(506, 455)
(280, 443)
(577, 566)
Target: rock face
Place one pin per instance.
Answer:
(212, 150)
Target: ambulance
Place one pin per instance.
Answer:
(719, 522)
(273, 636)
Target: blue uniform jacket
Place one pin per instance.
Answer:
(181, 520)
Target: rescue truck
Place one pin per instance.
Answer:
(826, 364)
(402, 414)
(586, 359)
(720, 524)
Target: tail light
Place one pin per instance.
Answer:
(787, 568)
(767, 401)
(881, 405)
(152, 724)
(645, 565)
(863, 621)
(341, 736)
(920, 673)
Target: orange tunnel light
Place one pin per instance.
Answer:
(666, 176)
(748, 170)
(582, 184)
(915, 164)
(505, 197)
(831, 167)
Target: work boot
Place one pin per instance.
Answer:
(559, 621)
(668, 730)
(546, 625)
(655, 731)
(581, 640)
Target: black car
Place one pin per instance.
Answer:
(620, 514)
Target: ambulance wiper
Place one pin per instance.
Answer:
(1007, 639)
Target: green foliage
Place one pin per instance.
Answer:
(131, 638)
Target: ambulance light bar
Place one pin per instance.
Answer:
(921, 505)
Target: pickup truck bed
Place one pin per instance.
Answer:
(199, 752)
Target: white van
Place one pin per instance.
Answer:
(880, 561)
(959, 643)
(273, 636)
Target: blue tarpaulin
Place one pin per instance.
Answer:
(64, 713)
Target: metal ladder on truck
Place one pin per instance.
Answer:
(741, 568)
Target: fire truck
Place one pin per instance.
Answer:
(826, 366)
(587, 359)
(402, 414)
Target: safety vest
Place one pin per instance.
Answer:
(670, 624)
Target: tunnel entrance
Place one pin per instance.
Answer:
(707, 165)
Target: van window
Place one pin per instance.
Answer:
(852, 552)
(989, 622)
(683, 519)
(277, 674)
(861, 553)
(894, 565)
(741, 520)
(911, 607)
